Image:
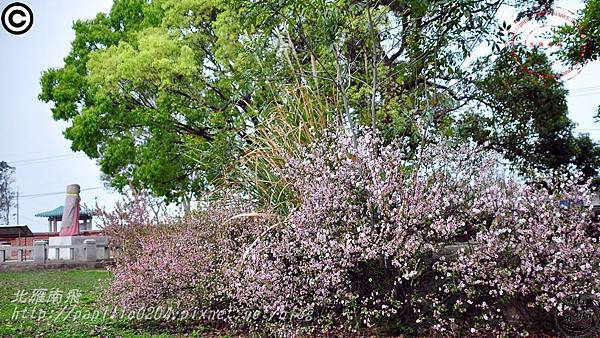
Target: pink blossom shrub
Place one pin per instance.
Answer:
(533, 260)
(174, 263)
(368, 245)
(367, 221)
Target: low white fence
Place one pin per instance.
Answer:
(57, 249)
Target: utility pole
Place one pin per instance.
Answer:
(6, 201)
(18, 205)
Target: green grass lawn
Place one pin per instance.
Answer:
(70, 311)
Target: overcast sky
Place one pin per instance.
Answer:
(30, 139)
(32, 142)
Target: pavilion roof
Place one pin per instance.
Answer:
(58, 212)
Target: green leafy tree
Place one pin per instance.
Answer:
(581, 40)
(7, 192)
(139, 101)
(524, 115)
(169, 95)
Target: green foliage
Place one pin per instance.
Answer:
(13, 323)
(169, 95)
(581, 43)
(527, 116)
(581, 40)
(7, 192)
(63, 319)
(137, 98)
(527, 113)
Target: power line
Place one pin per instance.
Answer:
(34, 153)
(33, 220)
(585, 94)
(48, 161)
(55, 193)
(36, 162)
(585, 89)
(43, 158)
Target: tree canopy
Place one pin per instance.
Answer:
(168, 94)
(7, 192)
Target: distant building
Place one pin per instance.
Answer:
(54, 216)
(21, 235)
(76, 241)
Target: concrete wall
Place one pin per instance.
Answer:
(67, 249)
(77, 247)
(37, 236)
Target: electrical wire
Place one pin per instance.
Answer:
(54, 193)
(585, 94)
(584, 89)
(45, 158)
